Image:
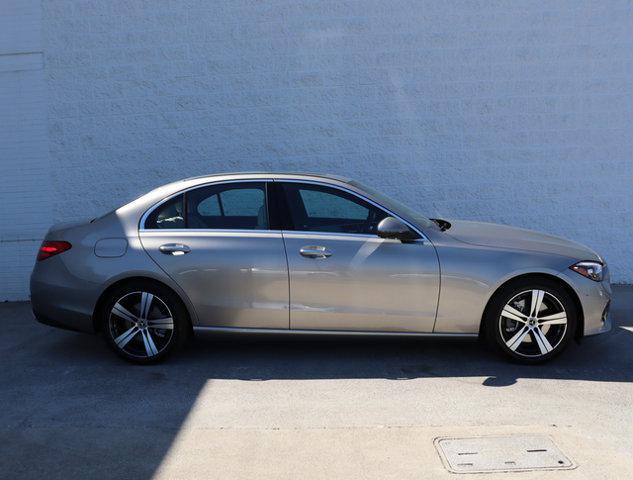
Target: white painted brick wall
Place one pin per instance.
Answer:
(517, 112)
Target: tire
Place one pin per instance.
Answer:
(513, 327)
(144, 322)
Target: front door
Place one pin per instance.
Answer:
(215, 241)
(343, 276)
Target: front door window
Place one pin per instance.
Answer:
(317, 208)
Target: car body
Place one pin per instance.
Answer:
(301, 254)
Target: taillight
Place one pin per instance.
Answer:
(52, 248)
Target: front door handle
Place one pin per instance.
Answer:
(314, 251)
(174, 249)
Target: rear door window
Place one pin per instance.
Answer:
(229, 206)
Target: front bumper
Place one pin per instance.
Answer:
(595, 299)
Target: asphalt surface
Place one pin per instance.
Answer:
(269, 409)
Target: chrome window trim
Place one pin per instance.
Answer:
(149, 211)
(200, 232)
(312, 233)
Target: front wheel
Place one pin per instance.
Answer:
(531, 321)
(144, 322)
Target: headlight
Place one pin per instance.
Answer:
(591, 270)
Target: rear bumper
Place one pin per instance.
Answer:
(59, 303)
(63, 324)
(60, 317)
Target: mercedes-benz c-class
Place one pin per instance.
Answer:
(311, 255)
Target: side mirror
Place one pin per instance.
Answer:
(391, 227)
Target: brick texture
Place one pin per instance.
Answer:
(516, 112)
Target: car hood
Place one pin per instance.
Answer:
(503, 236)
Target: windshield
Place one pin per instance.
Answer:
(397, 207)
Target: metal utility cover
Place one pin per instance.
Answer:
(501, 454)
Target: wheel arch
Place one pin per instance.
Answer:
(96, 324)
(580, 327)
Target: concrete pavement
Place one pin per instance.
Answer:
(268, 409)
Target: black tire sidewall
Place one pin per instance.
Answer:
(173, 302)
(505, 294)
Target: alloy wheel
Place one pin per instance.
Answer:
(533, 323)
(141, 324)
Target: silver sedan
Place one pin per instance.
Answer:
(311, 255)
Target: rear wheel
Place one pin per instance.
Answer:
(144, 322)
(531, 321)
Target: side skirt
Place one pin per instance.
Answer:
(279, 331)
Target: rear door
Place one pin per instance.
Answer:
(342, 275)
(215, 241)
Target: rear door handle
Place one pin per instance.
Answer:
(314, 251)
(174, 249)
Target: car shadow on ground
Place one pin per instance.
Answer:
(604, 358)
(69, 408)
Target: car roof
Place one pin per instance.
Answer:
(302, 175)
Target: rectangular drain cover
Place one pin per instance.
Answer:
(501, 454)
